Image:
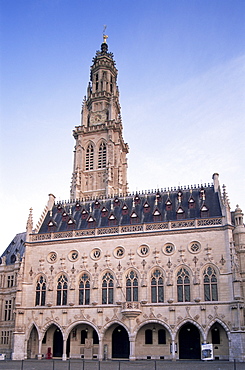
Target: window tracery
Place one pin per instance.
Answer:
(210, 284)
(157, 287)
(40, 291)
(132, 287)
(107, 288)
(183, 285)
(84, 289)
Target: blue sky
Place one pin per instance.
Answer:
(182, 91)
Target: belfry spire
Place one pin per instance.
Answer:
(100, 164)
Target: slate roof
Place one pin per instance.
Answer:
(16, 248)
(158, 206)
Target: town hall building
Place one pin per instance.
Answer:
(112, 274)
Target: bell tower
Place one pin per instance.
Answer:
(100, 164)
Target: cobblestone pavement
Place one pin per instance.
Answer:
(119, 365)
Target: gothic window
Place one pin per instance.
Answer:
(161, 336)
(148, 336)
(132, 287)
(97, 79)
(210, 284)
(183, 285)
(89, 157)
(40, 291)
(84, 290)
(102, 156)
(84, 335)
(157, 287)
(107, 288)
(62, 287)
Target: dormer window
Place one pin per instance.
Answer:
(91, 222)
(51, 226)
(59, 208)
(137, 199)
(124, 209)
(134, 219)
(78, 206)
(168, 205)
(70, 223)
(116, 202)
(96, 204)
(191, 203)
(64, 216)
(157, 215)
(204, 211)
(180, 213)
(84, 214)
(104, 212)
(147, 207)
(112, 220)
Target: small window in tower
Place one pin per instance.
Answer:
(102, 156)
(89, 158)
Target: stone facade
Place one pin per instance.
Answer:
(116, 275)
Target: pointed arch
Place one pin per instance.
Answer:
(89, 157)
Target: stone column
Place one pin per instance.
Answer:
(64, 350)
(39, 356)
(132, 349)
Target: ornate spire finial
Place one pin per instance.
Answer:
(105, 37)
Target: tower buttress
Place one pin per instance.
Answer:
(100, 164)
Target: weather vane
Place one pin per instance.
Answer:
(104, 35)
